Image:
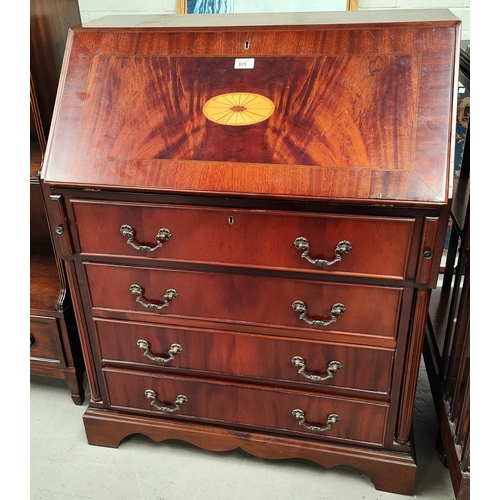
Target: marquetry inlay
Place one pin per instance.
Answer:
(238, 108)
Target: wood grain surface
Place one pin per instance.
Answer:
(254, 238)
(246, 405)
(358, 146)
(359, 114)
(261, 357)
(238, 298)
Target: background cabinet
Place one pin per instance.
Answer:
(447, 342)
(54, 346)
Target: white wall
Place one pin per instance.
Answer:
(92, 9)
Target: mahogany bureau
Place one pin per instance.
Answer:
(251, 211)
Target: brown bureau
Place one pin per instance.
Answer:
(251, 251)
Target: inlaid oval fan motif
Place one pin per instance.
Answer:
(238, 108)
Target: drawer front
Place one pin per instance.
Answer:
(369, 310)
(44, 338)
(244, 405)
(265, 239)
(325, 365)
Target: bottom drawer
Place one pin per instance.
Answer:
(247, 405)
(44, 338)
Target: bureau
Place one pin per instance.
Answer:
(251, 212)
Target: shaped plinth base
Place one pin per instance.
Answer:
(389, 471)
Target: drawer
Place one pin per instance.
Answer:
(44, 338)
(380, 246)
(238, 298)
(323, 365)
(247, 405)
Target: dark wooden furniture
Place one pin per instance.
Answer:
(54, 344)
(252, 214)
(447, 341)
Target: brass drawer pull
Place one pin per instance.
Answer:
(330, 420)
(333, 366)
(174, 349)
(336, 310)
(170, 295)
(162, 236)
(179, 400)
(342, 247)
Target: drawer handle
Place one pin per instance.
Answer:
(32, 340)
(162, 236)
(336, 310)
(170, 295)
(179, 400)
(342, 247)
(333, 366)
(330, 420)
(174, 349)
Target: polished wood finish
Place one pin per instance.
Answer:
(447, 340)
(54, 345)
(410, 376)
(90, 368)
(319, 130)
(313, 145)
(49, 24)
(38, 142)
(258, 407)
(389, 471)
(234, 298)
(118, 345)
(45, 287)
(272, 232)
(357, 148)
(43, 337)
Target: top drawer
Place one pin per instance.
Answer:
(377, 246)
